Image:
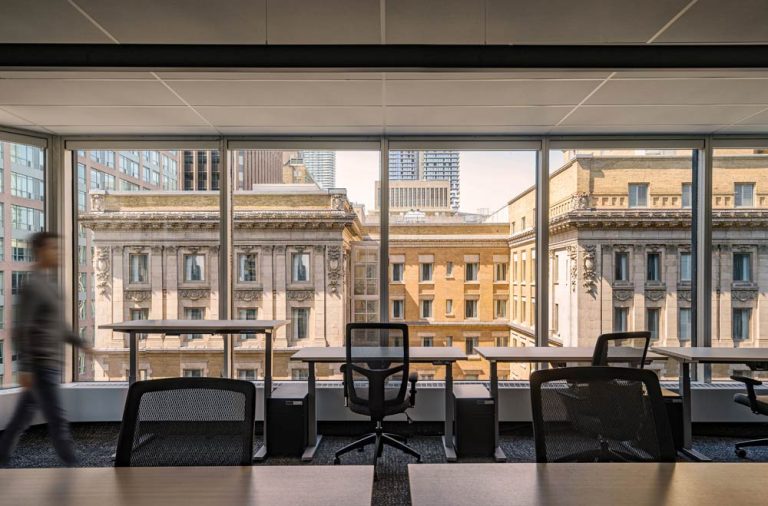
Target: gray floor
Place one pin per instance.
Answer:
(96, 444)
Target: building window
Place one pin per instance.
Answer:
(638, 195)
(685, 267)
(21, 251)
(247, 267)
(523, 270)
(449, 269)
(652, 321)
(300, 322)
(744, 195)
(397, 272)
(556, 318)
(469, 345)
(448, 341)
(193, 373)
(620, 315)
(18, 278)
(523, 310)
(742, 267)
(246, 374)
(621, 272)
(194, 313)
(299, 374)
(500, 308)
(741, 318)
(428, 342)
(139, 267)
(426, 308)
(425, 271)
(654, 267)
(686, 196)
(470, 308)
(397, 309)
(194, 267)
(502, 341)
(250, 313)
(684, 323)
(26, 218)
(300, 267)
(500, 272)
(449, 306)
(471, 271)
(136, 314)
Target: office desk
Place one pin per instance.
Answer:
(225, 327)
(687, 356)
(679, 484)
(495, 354)
(335, 354)
(187, 486)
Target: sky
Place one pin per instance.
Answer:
(488, 179)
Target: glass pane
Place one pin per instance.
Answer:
(620, 238)
(22, 213)
(306, 222)
(148, 249)
(456, 219)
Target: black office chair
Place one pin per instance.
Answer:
(187, 422)
(757, 403)
(375, 381)
(603, 347)
(599, 414)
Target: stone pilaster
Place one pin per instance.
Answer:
(321, 294)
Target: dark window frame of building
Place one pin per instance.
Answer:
(638, 199)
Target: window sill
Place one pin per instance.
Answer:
(744, 285)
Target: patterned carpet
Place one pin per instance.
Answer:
(96, 444)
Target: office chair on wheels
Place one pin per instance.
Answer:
(599, 414)
(757, 403)
(603, 348)
(375, 382)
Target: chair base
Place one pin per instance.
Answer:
(739, 447)
(379, 438)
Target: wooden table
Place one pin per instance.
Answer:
(225, 327)
(445, 356)
(680, 484)
(549, 354)
(685, 357)
(187, 486)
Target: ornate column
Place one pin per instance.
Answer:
(156, 271)
(213, 299)
(172, 282)
(321, 292)
(279, 290)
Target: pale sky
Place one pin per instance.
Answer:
(488, 179)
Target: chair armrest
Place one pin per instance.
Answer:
(412, 379)
(747, 381)
(750, 383)
(344, 384)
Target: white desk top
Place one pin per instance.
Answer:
(680, 484)
(195, 326)
(188, 486)
(715, 355)
(555, 354)
(335, 354)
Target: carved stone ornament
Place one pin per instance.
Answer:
(103, 270)
(334, 268)
(580, 200)
(248, 295)
(684, 295)
(138, 295)
(573, 254)
(590, 276)
(654, 295)
(193, 293)
(300, 295)
(623, 295)
(279, 249)
(97, 202)
(744, 295)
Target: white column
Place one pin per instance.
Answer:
(281, 302)
(321, 292)
(156, 281)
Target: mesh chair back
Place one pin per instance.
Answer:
(599, 414)
(612, 348)
(187, 422)
(376, 372)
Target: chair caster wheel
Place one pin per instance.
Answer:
(336, 461)
(741, 453)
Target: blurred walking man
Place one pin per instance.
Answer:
(40, 334)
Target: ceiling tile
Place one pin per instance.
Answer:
(52, 21)
(74, 74)
(84, 92)
(323, 22)
(480, 75)
(682, 92)
(235, 75)
(93, 116)
(134, 130)
(301, 130)
(746, 129)
(181, 21)
(499, 92)
(434, 22)
(292, 116)
(690, 74)
(272, 93)
(474, 116)
(719, 21)
(634, 129)
(8, 119)
(659, 115)
(582, 22)
(757, 119)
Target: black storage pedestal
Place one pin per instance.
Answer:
(288, 420)
(474, 409)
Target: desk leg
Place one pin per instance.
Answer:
(450, 451)
(685, 391)
(261, 455)
(313, 438)
(133, 357)
(498, 453)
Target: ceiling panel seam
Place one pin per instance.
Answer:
(671, 21)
